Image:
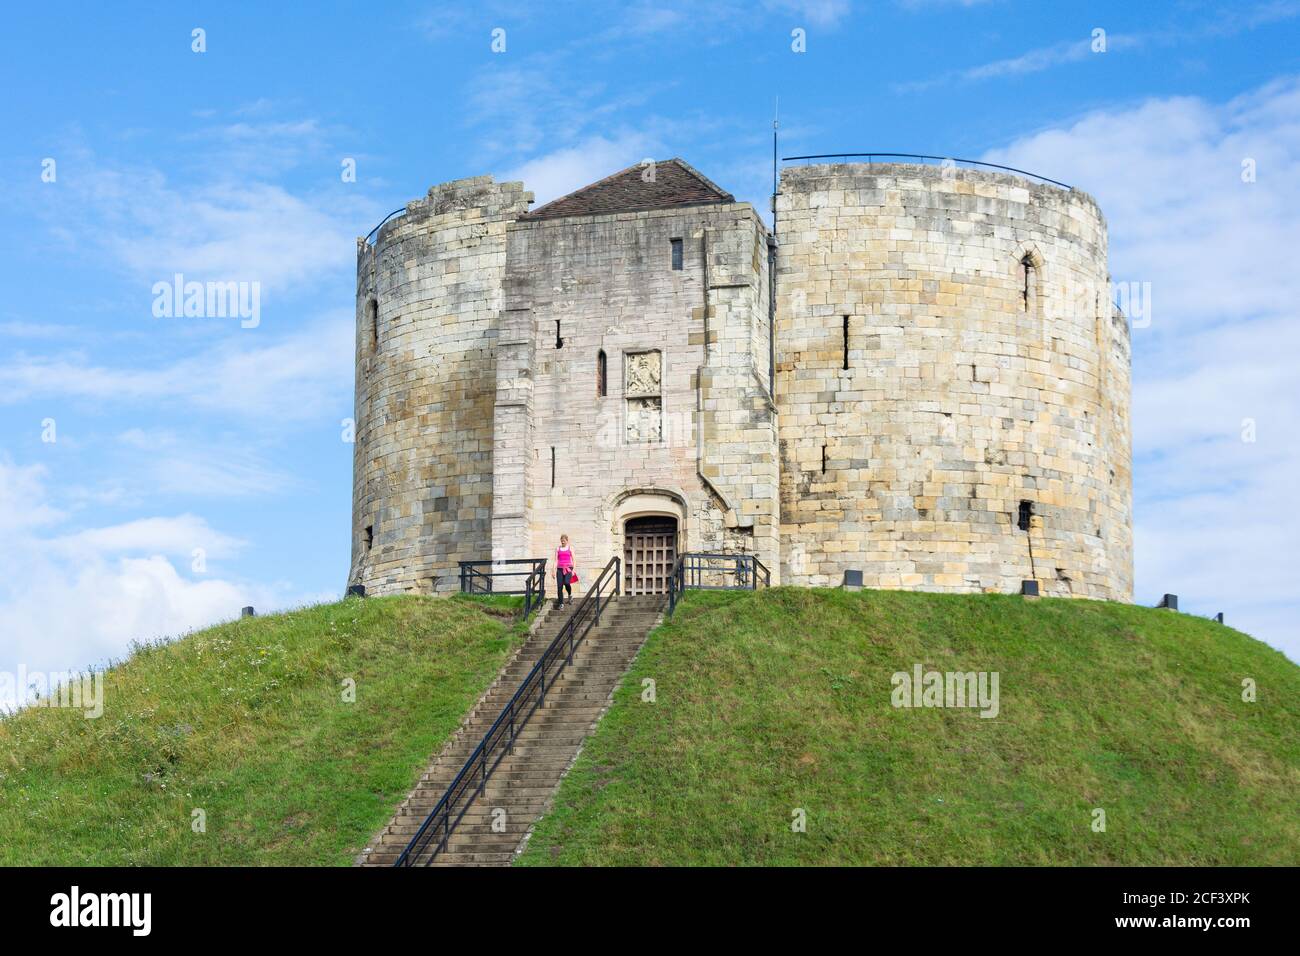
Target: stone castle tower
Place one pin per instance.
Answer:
(920, 377)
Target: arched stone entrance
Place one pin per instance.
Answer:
(649, 531)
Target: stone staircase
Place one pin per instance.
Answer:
(525, 782)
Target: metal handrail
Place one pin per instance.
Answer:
(745, 569)
(472, 779)
(473, 580)
(372, 232)
(953, 159)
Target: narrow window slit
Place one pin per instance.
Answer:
(823, 459)
(552, 466)
(370, 536)
(846, 343)
(1029, 272)
(559, 342)
(601, 380)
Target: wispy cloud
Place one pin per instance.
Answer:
(36, 330)
(1077, 50)
(926, 4)
(79, 598)
(1032, 61)
(564, 170)
(819, 13)
(220, 212)
(213, 466)
(294, 377)
(1225, 327)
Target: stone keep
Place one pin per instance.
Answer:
(950, 409)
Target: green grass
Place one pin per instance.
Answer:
(247, 722)
(776, 700)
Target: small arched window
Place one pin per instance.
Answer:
(602, 380)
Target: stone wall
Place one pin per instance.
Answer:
(985, 368)
(738, 428)
(428, 303)
(608, 281)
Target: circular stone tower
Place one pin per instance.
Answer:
(952, 384)
(428, 300)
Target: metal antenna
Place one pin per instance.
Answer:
(776, 112)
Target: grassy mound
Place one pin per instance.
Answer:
(771, 702)
(248, 723)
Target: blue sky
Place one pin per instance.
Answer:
(173, 434)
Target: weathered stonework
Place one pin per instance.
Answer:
(428, 306)
(973, 383)
(552, 372)
(635, 451)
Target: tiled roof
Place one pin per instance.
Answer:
(675, 183)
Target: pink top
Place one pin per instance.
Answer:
(564, 558)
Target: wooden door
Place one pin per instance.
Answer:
(649, 554)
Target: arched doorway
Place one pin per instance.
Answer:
(649, 553)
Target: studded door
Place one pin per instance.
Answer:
(649, 554)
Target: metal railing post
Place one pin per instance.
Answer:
(471, 782)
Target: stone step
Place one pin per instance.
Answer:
(526, 777)
(478, 812)
(474, 859)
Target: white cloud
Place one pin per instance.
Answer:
(1214, 27)
(176, 537)
(923, 4)
(248, 232)
(821, 13)
(293, 378)
(217, 214)
(22, 499)
(82, 598)
(1031, 61)
(36, 330)
(1214, 522)
(565, 170)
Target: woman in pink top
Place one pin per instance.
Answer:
(564, 576)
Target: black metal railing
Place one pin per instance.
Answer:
(700, 570)
(395, 212)
(437, 828)
(488, 577)
(871, 157)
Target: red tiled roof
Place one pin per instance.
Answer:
(675, 183)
